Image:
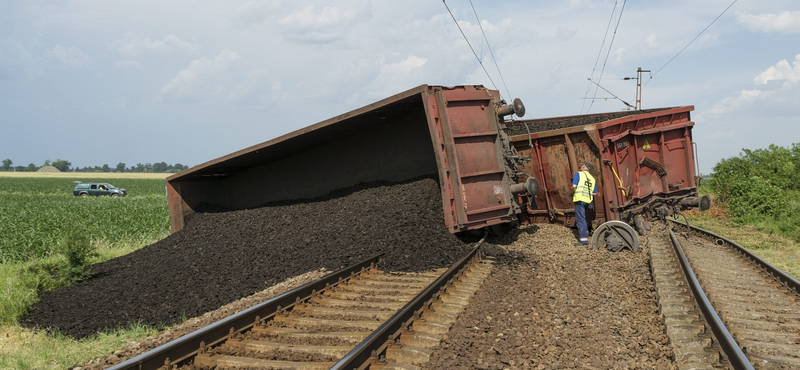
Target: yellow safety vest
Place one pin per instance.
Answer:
(583, 192)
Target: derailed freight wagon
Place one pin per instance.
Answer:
(644, 163)
(458, 134)
(450, 132)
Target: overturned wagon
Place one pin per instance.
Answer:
(644, 162)
(453, 133)
(489, 172)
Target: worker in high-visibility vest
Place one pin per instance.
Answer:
(585, 188)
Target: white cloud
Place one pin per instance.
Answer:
(784, 22)
(69, 56)
(314, 25)
(781, 71)
(257, 87)
(651, 41)
(190, 81)
(394, 77)
(580, 3)
(731, 103)
(403, 66)
(310, 18)
(253, 12)
(170, 43)
(781, 74)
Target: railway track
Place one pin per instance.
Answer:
(723, 306)
(356, 316)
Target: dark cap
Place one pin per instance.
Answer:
(588, 165)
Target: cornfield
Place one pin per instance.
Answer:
(37, 213)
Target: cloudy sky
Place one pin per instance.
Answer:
(96, 82)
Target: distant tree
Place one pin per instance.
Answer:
(106, 168)
(32, 167)
(120, 167)
(139, 168)
(62, 165)
(160, 167)
(19, 168)
(46, 162)
(7, 164)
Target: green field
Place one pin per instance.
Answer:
(36, 213)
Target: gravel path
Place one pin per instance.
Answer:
(560, 307)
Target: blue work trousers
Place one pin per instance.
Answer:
(580, 221)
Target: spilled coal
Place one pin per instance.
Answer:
(220, 257)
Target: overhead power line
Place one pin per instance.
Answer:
(690, 42)
(599, 52)
(612, 94)
(470, 45)
(490, 49)
(608, 53)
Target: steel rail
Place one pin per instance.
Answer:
(726, 341)
(376, 343)
(786, 279)
(187, 346)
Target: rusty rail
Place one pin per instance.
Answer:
(735, 356)
(375, 344)
(182, 349)
(785, 279)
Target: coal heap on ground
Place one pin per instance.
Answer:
(221, 257)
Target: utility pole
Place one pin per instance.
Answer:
(638, 86)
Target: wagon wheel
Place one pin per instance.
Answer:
(615, 236)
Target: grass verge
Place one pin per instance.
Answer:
(22, 348)
(781, 252)
(25, 349)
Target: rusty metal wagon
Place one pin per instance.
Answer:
(489, 171)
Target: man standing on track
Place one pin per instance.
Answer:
(585, 188)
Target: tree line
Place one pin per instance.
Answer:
(66, 166)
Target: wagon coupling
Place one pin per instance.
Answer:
(530, 186)
(704, 202)
(516, 107)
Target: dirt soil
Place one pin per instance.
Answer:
(221, 257)
(562, 307)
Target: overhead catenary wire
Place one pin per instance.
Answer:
(490, 49)
(469, 44)
(612, 94)
(690, 42)
(599, 53)
(608, 53)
